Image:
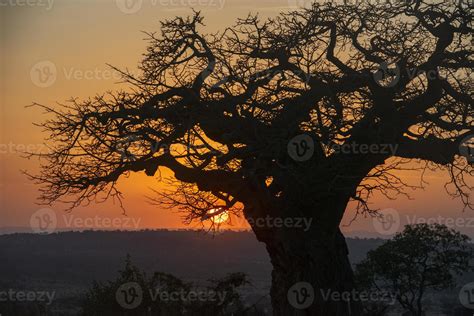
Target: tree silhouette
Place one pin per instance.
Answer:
(282, 118)
(421, 258)
(135, 293)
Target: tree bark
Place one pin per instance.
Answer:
(311, 275)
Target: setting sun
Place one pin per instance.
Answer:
(217, 215)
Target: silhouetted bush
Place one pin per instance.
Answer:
(134, 293)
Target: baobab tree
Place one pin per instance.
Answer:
(283, 118)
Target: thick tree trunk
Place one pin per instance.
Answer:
(311, 276)
(311, 273)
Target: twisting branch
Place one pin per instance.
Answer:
(219, 110)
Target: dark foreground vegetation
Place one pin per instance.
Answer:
(83, 271)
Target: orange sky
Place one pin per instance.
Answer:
(79, 38)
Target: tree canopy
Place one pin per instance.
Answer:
(219, 109)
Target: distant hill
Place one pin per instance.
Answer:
(80, 257)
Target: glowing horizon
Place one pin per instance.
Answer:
(76, 40)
